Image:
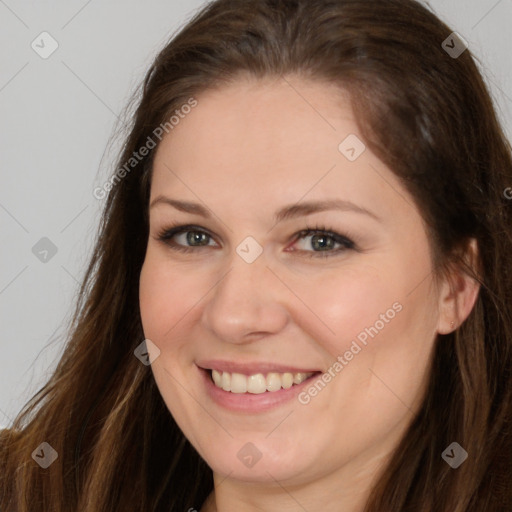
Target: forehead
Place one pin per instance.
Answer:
(270, 140)
(266, 120)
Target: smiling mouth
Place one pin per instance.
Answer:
(258, 383)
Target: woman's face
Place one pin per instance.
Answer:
(244, 293)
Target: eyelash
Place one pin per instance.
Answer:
(168, 233)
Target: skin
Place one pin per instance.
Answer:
(246, 150)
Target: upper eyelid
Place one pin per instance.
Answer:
(190, 227)
(308, 231)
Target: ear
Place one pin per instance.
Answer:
(458, 292)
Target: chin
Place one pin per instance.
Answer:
(259, 461)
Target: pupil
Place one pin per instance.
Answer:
(194, 236)
(322, 238)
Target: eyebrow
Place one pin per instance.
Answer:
(285, 213)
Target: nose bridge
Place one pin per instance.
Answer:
(247, 300)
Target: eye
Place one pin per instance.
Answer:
(190, 234)
(323, 240)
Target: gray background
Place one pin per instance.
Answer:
(57, 117)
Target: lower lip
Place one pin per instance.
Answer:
(250, 402)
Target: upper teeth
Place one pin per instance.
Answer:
(258, 383)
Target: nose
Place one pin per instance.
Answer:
(247, 304)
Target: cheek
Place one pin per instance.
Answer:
(384, 324)
(165, 297)
(370, 310)
(341, 306)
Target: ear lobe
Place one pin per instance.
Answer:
(459, 292)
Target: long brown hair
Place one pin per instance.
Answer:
(429, 117)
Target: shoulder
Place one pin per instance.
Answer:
(5, 434)
(7, 437)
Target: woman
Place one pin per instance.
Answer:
(217, 361)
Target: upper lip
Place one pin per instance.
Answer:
(251, 368)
